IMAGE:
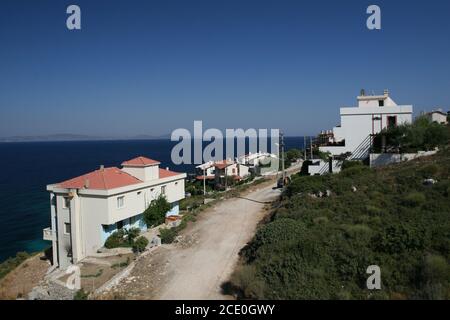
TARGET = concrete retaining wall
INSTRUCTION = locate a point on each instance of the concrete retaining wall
(383, 159)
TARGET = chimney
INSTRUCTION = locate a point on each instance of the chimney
(102, 167)
(362, 93)
(167, 168)
(386, 92)
(86, 184)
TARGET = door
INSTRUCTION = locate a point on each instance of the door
(391, 121)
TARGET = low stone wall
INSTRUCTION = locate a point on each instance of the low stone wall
(383, 159)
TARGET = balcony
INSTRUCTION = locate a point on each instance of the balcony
(48, 234)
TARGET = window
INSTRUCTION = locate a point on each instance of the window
(67, 228)
(66, 202)
(120, 202)
(381, 103)
(163, 190)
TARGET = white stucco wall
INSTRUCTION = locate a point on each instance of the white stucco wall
(358, 123)
(437, 117)
(143, 173)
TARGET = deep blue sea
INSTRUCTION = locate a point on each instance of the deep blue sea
(27, 167)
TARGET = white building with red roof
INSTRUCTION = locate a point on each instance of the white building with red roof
(86, 210)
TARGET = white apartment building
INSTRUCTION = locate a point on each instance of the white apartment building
(87, 209)
(373, 114)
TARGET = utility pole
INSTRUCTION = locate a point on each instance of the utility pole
(282, 157)
(304, 146)
(204, 183)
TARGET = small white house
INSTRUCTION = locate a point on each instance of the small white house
(260, 163)
(86, 210)
(373, 114)
(256, 159)
(217, 170)
(438, 116)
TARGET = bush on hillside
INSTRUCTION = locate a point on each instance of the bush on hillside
(167, 235)
(421, 135)
(81, 295)
(320, 248)
(414, 199)
(122, 238)
(140, 244)
(11, 263)
(155, 214)
(350, 164)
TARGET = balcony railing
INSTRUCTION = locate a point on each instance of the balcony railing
(48, 234)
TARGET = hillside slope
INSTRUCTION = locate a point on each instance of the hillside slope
(320, 247)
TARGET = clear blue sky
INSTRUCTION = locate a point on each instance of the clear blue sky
(147, 67)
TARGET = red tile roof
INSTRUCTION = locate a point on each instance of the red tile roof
(222, 164)
(102, 179)
(207, 177)
(163, 173)
(140, 162)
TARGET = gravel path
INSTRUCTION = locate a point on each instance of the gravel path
(196, 267)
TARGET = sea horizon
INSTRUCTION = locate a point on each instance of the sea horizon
(32, 165)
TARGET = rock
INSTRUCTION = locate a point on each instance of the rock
(429, 182)
(156, 241)
(354, 189)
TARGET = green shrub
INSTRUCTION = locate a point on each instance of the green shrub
(373, 210)
(155, 214)
(293, 154)
(414, 199)
(429, 171)
(400, 237)
(133, 233)
(167, 235)
(350, 164)
(422, 134)
(81, 295)
(354, 171)
(140, 244)
(122, 238)
(435, 271)
(116, 239)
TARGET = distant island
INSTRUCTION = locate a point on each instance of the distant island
(77, 137)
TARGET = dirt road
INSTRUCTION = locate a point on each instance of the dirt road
(196, 267)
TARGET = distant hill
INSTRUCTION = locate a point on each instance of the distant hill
(77, 137)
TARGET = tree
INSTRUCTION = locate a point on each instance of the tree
(293, 154)
(156, 212)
